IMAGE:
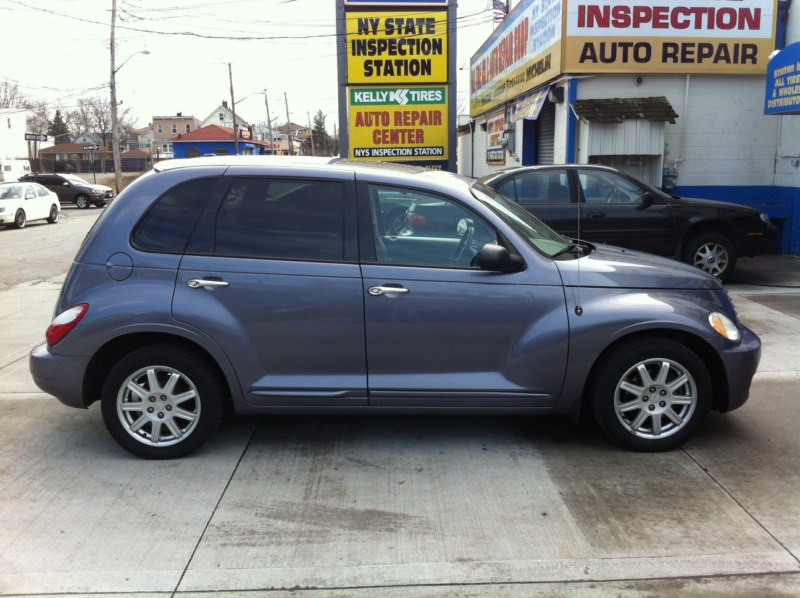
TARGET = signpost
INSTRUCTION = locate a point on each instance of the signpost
(35, 137)
(91, 149)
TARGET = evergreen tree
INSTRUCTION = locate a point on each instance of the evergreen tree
(58, 128)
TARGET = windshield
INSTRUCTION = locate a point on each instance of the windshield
(537, 233)
(75, 179)
(10, 191)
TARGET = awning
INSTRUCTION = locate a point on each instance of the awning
(617, 110)
(529, 106)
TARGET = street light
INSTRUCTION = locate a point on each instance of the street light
(114, 119)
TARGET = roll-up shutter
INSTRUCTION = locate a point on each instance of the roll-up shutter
(545, 134)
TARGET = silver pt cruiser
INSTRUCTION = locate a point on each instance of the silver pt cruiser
(270, 285)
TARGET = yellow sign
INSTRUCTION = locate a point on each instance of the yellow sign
(398, 123)
(669, 36)
(386, 48)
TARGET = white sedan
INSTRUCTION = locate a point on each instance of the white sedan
(21, 202)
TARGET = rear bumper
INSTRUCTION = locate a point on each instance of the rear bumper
(59, 375)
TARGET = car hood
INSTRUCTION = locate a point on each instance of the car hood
(710, 203)
(615, 267)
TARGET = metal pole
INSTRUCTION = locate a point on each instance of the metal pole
(233, 109)
(311, 132)
(269, 124)
(288, 125)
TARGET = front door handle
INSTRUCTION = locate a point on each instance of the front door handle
(196, 283)
(387, 290)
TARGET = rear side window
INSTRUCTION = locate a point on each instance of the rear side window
(537, 187)
(296, 219)
(168, 224)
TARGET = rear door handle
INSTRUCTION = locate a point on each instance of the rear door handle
(597, 215)
(196, 283)
(387, 290)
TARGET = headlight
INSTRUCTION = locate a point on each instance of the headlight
(722, 324)
(764, 218)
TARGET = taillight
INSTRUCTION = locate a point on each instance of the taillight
(64, 322)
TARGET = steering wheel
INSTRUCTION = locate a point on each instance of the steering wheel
(468, 228)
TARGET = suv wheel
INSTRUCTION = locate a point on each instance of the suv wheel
(651, 395)
(162, 401)
(82, 201)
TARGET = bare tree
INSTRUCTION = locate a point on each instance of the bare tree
(93, 115)
(11, 96)
(37, 119)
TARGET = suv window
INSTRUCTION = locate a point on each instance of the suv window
(297, 219)
(537, 187)
(166, 227)
(436, 231)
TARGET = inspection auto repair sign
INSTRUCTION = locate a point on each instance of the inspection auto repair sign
(686, 36)
(389, 48)
(398, 123)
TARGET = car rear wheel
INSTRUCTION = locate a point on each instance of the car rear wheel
(711, 252)
(82, 201)
(162, 401)
(53, 218)
(651, 395)
(20, 219)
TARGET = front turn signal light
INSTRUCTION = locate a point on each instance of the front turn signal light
(724, 326)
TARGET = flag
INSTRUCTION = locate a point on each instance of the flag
(499, 11)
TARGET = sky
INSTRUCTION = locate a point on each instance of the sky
(58, 51)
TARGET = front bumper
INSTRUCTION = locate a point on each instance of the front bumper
(741, 363)
(59, 375)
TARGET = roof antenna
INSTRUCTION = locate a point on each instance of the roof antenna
(578, 307)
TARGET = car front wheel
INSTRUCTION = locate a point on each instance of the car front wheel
(651, 395)
(711, 252)
(20, 219)
(82, 201)
(162, 401)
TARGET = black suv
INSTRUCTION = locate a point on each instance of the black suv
(73, 189)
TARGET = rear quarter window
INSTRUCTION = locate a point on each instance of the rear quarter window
(168, 224)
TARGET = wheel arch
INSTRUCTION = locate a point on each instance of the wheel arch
(709, 356)
(116, 348)
(721, 227)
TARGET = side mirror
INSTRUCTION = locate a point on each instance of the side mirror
(66, 183)
(647, 201)
(497, 258)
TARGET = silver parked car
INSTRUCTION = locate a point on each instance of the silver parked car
(272, 284)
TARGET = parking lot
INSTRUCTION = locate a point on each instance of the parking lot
(391, 506)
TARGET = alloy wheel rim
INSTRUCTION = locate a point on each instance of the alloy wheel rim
(158, 406)
(655, 398)
(712, 257)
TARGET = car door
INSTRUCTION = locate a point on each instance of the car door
(271, 275)
(54, 184)
(618, 210)
(34, 205)
(547, 194)
(442, 333)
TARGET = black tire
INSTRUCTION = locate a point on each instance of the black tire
(20, 219)
(651, 395)
(172, 422)
(711, 252)
(82, 201)
(53, 217)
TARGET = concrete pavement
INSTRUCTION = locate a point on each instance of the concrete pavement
(406, 506)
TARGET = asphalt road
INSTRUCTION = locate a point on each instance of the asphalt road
(394, 506)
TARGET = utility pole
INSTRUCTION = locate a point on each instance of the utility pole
(288, 125)
(269, 124)
(311, 132)
(114, 118)
(233, 109)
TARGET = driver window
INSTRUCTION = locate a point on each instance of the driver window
(413, 228)
(609, 188)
